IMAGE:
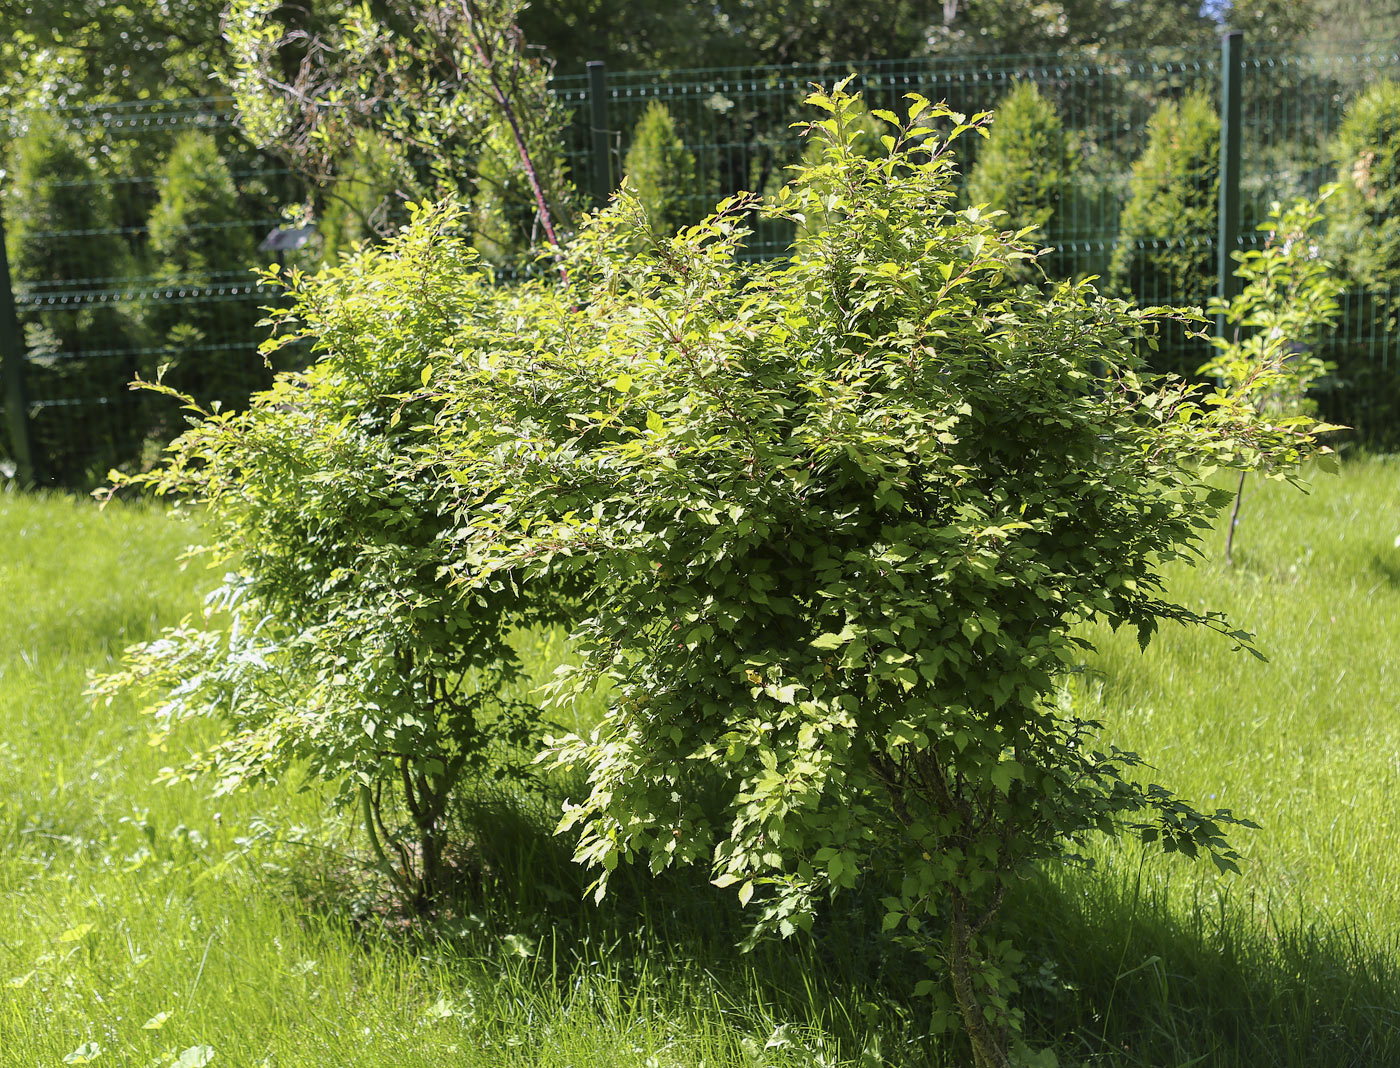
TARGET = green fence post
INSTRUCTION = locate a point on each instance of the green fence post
(12, 373)
(1228, 235)
(598, 122)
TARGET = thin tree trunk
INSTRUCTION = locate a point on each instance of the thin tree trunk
(988, 1044)
(477, 32)
(1234, 519)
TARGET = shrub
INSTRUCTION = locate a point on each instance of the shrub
(826, 525)
(335, 643)
(1021, 169)
(1164, 253)
(661, 169)
(1364, 216)
(199, 239)
(1364, 237)
(838, 519)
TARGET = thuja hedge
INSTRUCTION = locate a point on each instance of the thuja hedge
(827, 526)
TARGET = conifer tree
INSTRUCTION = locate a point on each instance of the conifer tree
(1364, 239)
(1364, 214)
(1164, 252)
(62, 235)
(1021, 169)
(661, 170)
(203, 254)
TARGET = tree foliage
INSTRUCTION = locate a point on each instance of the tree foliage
(838, 519)
(419, 88)
(196, 238)
(1288, 297)
(661, 169)
(1164, 233)
(1364, 216)
(1022, 169)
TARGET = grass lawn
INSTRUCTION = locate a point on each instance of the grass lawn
(145, 925)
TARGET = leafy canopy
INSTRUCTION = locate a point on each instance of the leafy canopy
(827, 526)
(838, 519)
(335, 645)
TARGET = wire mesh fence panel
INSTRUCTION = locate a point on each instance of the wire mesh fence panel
(133, 227)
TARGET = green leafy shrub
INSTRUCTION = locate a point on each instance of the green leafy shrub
(1165, 254)
(827, 526)
(1021, 169)
(838, 519)
(864, 132)
(661, 169)
(198, 239)
(1364, 237)
(1364, 215)
(335, 644)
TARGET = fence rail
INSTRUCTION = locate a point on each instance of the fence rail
(101, 292)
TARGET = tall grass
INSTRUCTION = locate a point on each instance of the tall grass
(149, 923)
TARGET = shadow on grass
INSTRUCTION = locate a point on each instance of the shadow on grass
(1112, 977)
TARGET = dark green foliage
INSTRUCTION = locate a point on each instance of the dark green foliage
(1364, 214)
(199, 241)
(1364, 238)
(1022, 170)
(62, 236)
(1166, 251)
(661, 170)
(1164, 234)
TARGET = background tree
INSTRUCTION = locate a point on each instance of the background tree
(1364, 216)
(1022, 168)
(1067, 26)
(662, 170)
(1164, 251)
(197, 238)
(1364, 237)
(426, 82)
(82, 350)
(62, 53)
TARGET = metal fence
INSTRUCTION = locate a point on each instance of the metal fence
(107, 303)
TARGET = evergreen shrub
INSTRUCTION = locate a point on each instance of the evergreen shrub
(81, 355)
(661, 169)
(1021, 170)
(198, 239)
(1364, 238)
(1165, 252)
